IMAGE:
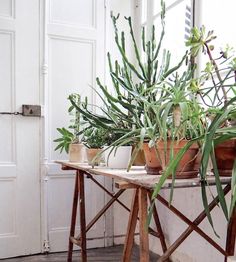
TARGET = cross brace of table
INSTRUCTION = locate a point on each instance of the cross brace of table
(80, 240)
(192, 226)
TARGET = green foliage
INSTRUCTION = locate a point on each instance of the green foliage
(66, 136)
(151, 99)
(65, 140)
(94, 137)
(146, 94)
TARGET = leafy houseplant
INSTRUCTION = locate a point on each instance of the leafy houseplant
(69, 140)
(94, 139)
(215, 89)
(219, 143)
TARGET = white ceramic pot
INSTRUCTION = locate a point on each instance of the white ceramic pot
(77, 153)
(119, 157)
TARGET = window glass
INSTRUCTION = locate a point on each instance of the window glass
(220, 18)
(177, 28)
(144, 11)
(157, 5)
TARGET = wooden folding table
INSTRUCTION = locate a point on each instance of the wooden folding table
(143, 185)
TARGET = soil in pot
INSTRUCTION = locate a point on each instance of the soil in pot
(76, 153)
(188, 166)
(225, 154)
(91, 154)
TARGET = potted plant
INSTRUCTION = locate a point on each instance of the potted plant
(116, 155)
(215, 88)
(219, 143)
(151, 102)
(94, 140)
(220, 72)
(166, 111)
(70, 140)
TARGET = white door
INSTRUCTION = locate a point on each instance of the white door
(74, 56)
(19, 136)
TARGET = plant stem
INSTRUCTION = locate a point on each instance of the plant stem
(217, 71)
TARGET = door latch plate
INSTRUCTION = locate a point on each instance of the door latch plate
(31, 110)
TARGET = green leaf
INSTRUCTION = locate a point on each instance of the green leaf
(233, 191)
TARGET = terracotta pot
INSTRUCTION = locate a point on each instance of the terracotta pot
(91, 153)
(77, 153)
(188, 166)
(153, 164)
(225, 154)
(140, 159)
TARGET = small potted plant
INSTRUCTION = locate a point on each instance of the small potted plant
(70, 137)
(94, 140)
(116, 155)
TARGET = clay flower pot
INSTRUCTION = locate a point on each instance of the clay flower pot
(225, 154)
(140, 159)
(76, 153)
(156, 162)
(91, 154)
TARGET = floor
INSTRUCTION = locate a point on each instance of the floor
(112, 254)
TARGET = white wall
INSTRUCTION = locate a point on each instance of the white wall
(189, 202)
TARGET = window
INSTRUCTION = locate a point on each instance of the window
(178, 22)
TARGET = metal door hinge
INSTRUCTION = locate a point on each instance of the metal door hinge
(46, 246)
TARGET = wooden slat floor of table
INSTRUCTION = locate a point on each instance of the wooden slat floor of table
(108, 254)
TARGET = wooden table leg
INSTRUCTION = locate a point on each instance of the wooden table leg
(143, 226)
(73, 218)
(129, 239)
(158, 224)
(231, 235)
(82, 217)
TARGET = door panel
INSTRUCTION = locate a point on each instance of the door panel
(75, 56)
(19, 137)
(73, 12)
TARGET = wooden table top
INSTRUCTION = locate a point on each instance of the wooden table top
(138, 176)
